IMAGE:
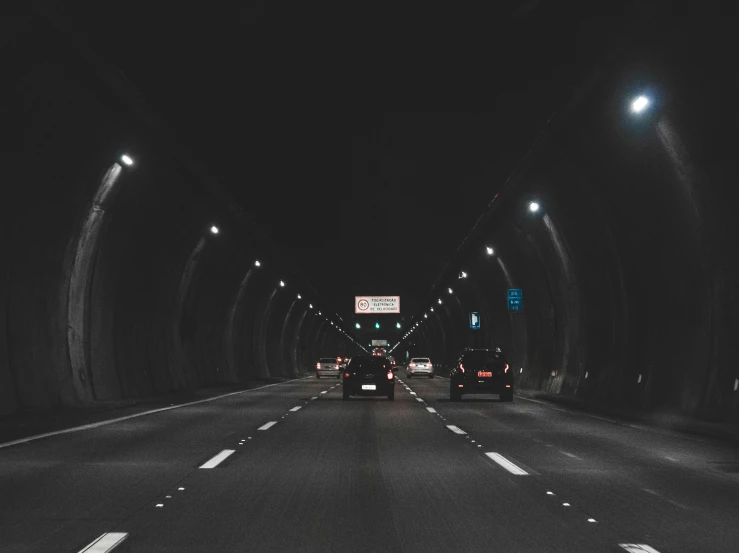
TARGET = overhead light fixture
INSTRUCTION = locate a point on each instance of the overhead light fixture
(127, 160)
(214, 229)
(639, 104)
(257, 263)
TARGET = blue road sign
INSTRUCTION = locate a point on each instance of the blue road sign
(515, 299)
(475, 321)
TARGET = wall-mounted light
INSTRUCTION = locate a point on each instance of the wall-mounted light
(489, 250)
(214, 230)
(533, 207)
(127, 160)
(300, 297)
(257, 263)
(282, 283)
(639, 104)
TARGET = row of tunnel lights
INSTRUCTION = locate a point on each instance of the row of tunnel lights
(533, 207)
(128, 161)
(638, 105)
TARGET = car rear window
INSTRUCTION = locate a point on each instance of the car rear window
(368, 363)
(421, 360)
(482, 357)
(328, 360)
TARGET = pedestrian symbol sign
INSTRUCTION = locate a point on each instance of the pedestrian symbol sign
(515, 299)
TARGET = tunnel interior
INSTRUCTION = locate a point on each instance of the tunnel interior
(128, 277)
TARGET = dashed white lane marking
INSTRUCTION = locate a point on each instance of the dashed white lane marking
(315, 397)
(570, 455)
(419, 399)
(455, 429)
(218, 459)
(135, 415)
(323, 392)
(413, 393)
(298, 408)
(638, 548)
(106, 542)
(506, 464)
(267, 426)
(431, 409)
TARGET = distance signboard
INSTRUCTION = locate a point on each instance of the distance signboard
(372, 305)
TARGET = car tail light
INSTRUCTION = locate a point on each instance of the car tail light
(460, 385)
(430, 364)
(338, 359)
(389, 375)
(507, 385)
(346, 375)
(337, 367)
(318, 365)
(505, 370)
(411, 364)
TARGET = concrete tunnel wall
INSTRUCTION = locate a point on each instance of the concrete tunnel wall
(112, 285)
(630, 270)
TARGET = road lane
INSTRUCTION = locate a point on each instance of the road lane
(674, 492)
(362, 475)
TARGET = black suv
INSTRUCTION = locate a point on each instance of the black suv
(369, 375)
(481, 371)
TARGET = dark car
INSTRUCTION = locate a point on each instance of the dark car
(369, 376)
(481, 371)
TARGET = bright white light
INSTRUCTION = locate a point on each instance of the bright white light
(310, 306)
(450, 290)
(439, 301)
(639, 104)
(257, 263)
(300, 297)
(425, 316)
(533, 207)
(282, 283)
(126, 159)
(431, 309)
(463, 275)
(489, 250)
(214, 229)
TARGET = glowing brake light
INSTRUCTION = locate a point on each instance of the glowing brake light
(318, 365)
(507, 385)
(412, 364)
(389, 375)
(346, 375)
(430, 364)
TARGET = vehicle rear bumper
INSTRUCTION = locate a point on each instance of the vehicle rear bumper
(328, 372)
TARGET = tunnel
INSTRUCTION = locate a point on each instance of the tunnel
(604, 266)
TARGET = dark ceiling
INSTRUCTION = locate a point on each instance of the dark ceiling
(353, 147)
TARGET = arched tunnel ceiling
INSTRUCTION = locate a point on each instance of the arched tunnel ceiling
(275, 127)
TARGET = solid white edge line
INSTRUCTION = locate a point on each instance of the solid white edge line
(218, 459)
(128, 417)
(638, 548)
(506, 464)
(455, 429)
(431, 409)
(297, 408)
(267, 426)
(106, 542)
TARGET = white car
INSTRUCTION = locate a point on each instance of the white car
(420, 366)
(328, 366)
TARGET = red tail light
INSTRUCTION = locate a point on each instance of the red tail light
(507, 385)
(318, 365)
(411, 364)
(389, 375)
(337, 367)
(346, 375)
(430, 364)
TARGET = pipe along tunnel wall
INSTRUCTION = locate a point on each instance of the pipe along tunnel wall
(630, 269)
(112, 284)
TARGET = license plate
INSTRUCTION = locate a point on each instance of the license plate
(484, 373)
(369, 387)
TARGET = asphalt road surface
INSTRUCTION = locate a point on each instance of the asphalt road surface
(295, 468)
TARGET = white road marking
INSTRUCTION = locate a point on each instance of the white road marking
(592, 520)
(218, 459)
(181, 489)
(455, 429)
(506, 464)
(570, 455)
(106, 542)
(298, 408)
(638, 548)
(128, 417)
(565, 504)
(419, 399)
(323, 392)
(315, 397)
(267, 426)
(413, 393)
(159, 505)
(431, 409)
